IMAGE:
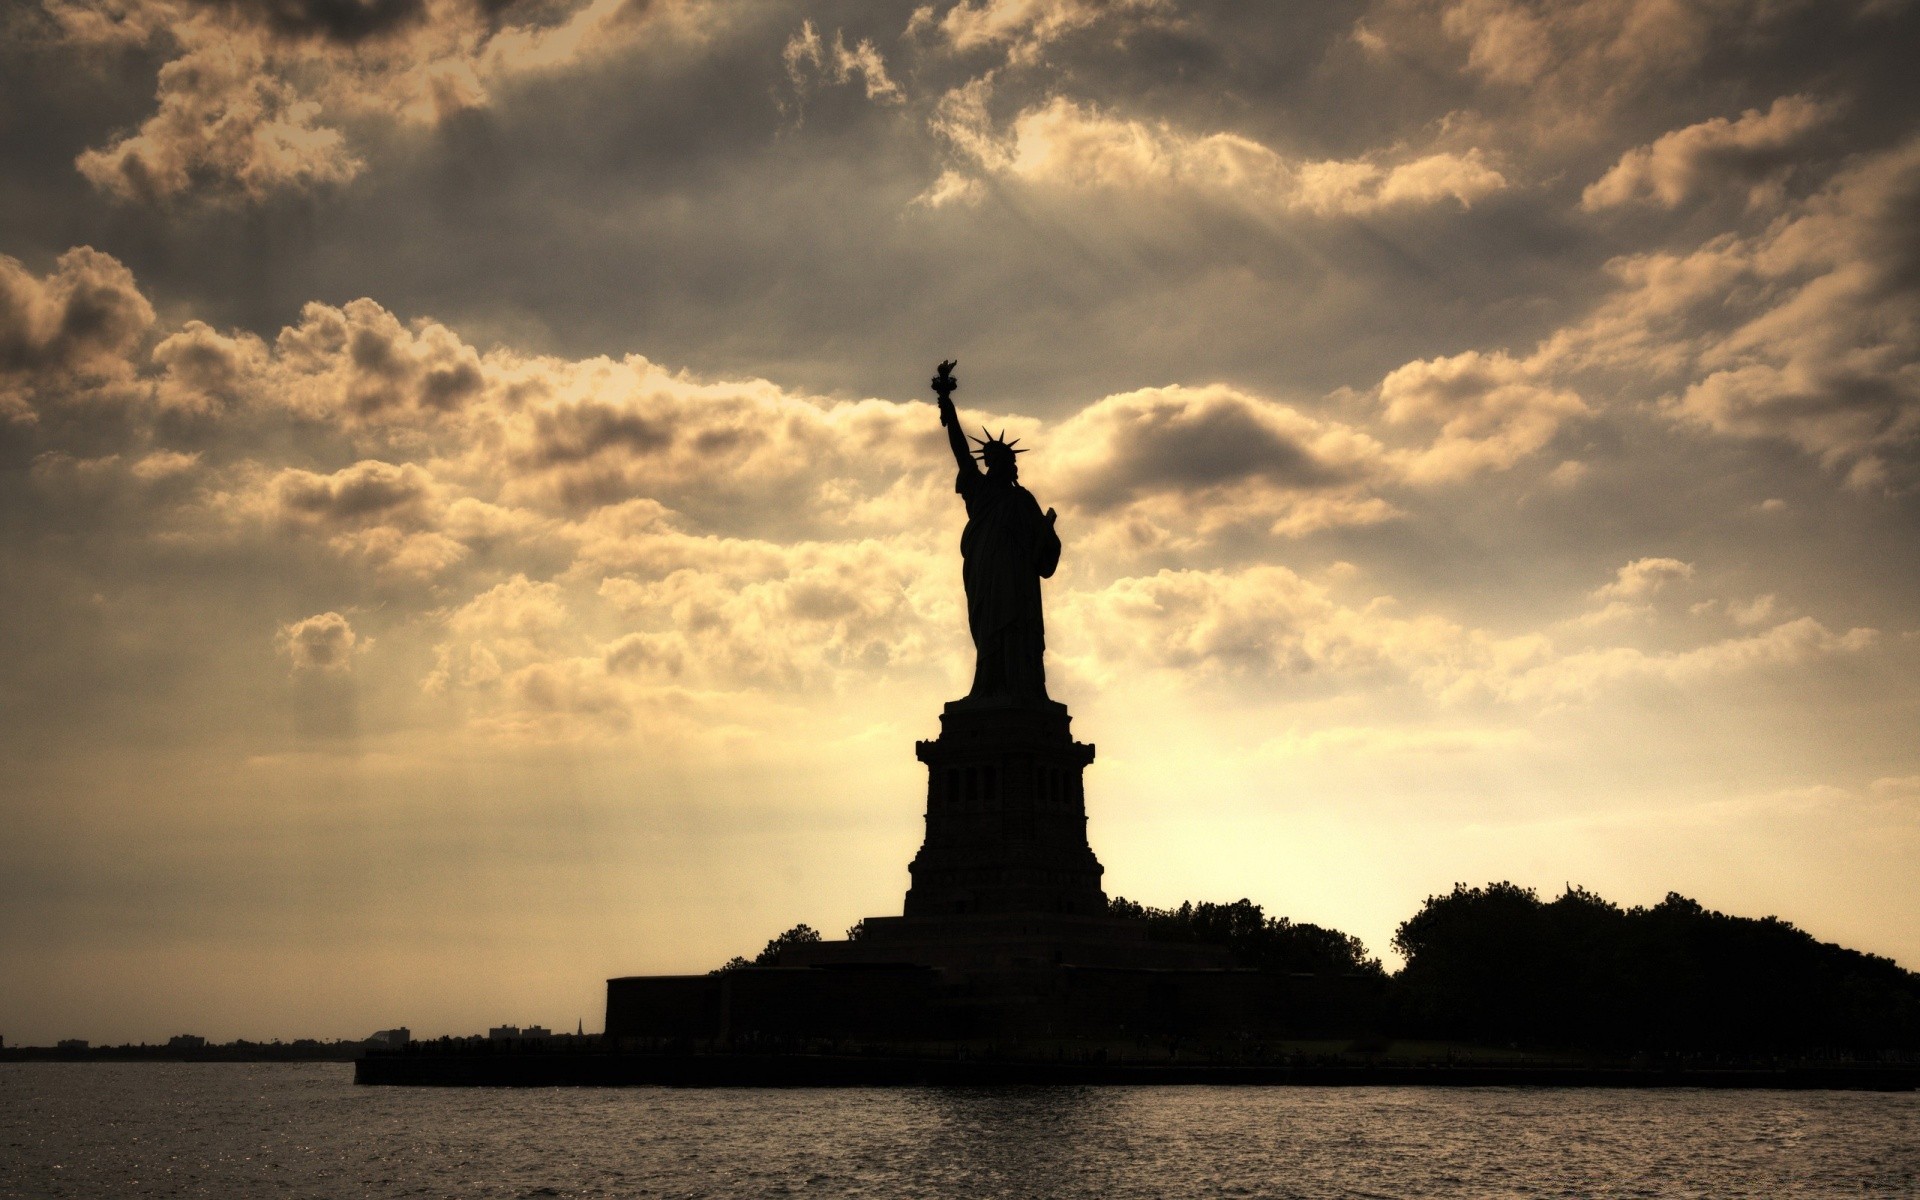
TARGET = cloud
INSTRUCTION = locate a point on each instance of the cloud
(1067, 145)
(1644, 577)
(391, 517)
(1579, 675)
(344, 21)
(1757, 611)
(207, 373)
(359, 364)
(1596, 45)
(325, 643)
(821, 615)
(1026, 27)
(1829, 359)
(808, 59)
(225, 129)
(249, 102)
(1578, 61)
(451, 448)
(1755, 151)
(1200, 458)
(623, 535)
(65, 334)
(695, 617)
(1266, 621)
(365, 490)
(86, 314)
(1896, 788)
(1491, 410)
(1806, 331)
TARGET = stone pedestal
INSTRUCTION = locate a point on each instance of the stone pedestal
(1006, 816)
(1005, 932)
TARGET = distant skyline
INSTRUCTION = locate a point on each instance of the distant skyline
(476, 523)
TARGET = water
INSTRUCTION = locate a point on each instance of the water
(303, 1130)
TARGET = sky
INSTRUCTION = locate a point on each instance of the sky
(475, 522)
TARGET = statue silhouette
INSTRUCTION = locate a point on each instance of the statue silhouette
(1009, 546)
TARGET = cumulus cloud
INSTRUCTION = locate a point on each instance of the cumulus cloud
(1068, 145)
(324, 643)
(359, 364)
(1268, 621)
(517, 621)
(87, 313)
(1755, 151)
(206, 372)
(822, 613)
(455, 449)
(1491, 410)
(364, 490)
(249, 103)
(82, 319)
(694, 616)
(393, 518)
(225, 129)
(597, 515)
(1201, 458)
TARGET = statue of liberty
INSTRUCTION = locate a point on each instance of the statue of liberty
(1008, 548)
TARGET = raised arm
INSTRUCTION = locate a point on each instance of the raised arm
(962, 453)
(943, 385)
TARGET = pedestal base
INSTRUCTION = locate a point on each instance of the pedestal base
(1006, 816)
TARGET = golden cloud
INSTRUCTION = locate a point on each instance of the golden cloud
(1066, 145)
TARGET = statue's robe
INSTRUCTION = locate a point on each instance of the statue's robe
(1008, 548)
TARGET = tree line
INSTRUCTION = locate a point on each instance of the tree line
(1499, 965)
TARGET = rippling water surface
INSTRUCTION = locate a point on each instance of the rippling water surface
(247, 1130)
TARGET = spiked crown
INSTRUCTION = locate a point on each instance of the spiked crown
(991, 442)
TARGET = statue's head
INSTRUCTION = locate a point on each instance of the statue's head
(999, 456)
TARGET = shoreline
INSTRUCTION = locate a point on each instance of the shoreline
(823, 1070)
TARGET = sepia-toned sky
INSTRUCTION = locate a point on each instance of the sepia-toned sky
(474, 522)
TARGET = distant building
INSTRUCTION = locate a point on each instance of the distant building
(71, 1044)
(503, 1033)
(396, 1039)
(536, 1031)
(186, 1041)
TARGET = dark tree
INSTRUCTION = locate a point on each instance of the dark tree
(1255, 939)
(1497, 964)
(799, 935)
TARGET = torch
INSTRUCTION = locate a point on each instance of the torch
(943, 385)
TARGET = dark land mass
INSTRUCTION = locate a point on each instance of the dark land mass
(303, 1050)
(1500, 988)
(1499, 964)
